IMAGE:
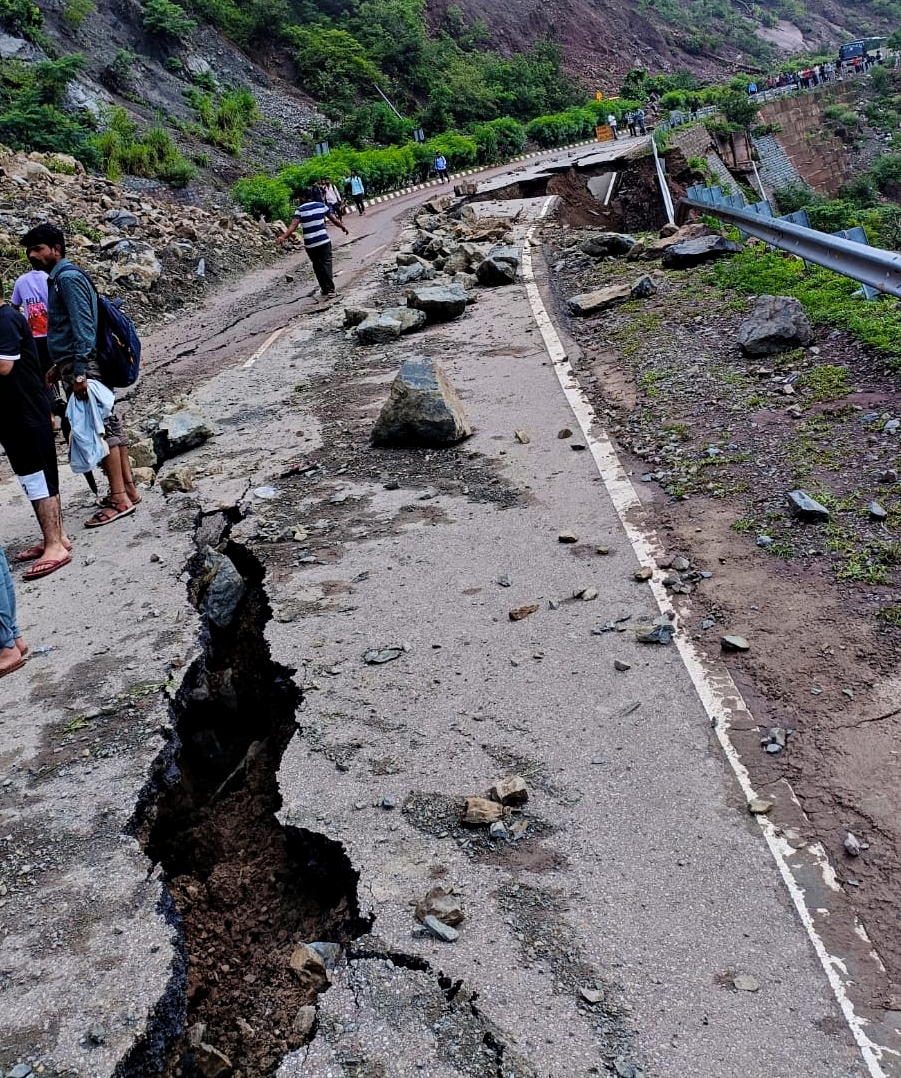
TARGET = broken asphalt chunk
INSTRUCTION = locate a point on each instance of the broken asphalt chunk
(658, 633)
(440, 930)
(377, 656)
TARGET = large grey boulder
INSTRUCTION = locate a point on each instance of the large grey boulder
(422, 409)
(389, 325)
(689, 253)
(608, 243)
(440, 303)
(135, 264)
(416, 271)
(179, 432)
(224, 588)
(492, 272)
(17, 48)
(777, 324)
(603, 299)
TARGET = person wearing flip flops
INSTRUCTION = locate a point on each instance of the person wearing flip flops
(71, 341)
(13, 648)
(26, 434)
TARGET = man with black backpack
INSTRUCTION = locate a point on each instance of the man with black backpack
(72, 321)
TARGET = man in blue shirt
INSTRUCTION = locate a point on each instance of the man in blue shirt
(72, 344)
(441, 168)
(311, 216)
(357, 190)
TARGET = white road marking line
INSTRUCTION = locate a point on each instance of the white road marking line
(717, 692)
(270, 340)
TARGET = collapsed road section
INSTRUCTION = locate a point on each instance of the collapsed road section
(451, 627)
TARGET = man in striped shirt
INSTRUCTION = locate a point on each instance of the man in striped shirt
(311, 216)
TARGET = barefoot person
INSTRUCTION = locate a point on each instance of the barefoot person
(311, 216)
(13, 648)
(71, 340)
(26, 434)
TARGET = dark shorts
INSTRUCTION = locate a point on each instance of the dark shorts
(32, 456)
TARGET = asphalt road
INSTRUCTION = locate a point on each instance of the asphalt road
(640, 924)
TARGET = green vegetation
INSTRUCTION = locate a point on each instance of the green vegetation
(890, 614)
(76, 11)
(827, 297)
(225, 120)
(826, 382)
(31, 113)
(166, 19)
(123, 148)
(22, 18)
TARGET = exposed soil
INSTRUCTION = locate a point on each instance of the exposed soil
(245, 889)
(714, 441)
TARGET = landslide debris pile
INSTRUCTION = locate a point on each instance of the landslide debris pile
(158, 255)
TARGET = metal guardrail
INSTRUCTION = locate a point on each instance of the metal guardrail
(870, 266)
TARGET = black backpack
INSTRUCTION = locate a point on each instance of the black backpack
(118, 346)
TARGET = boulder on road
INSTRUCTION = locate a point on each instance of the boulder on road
(440, 303)
(689, 253)
(389, 325)
(603, 299)
(493, 272)
(353, 316)
(777, 324)
(605, 244)
(179, 432)
(422, 409)
(416, 271)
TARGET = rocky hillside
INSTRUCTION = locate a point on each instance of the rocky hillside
(157, 255)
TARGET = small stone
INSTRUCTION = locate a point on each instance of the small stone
(211, 1062)
(764, 541)
(654, 634)
(644, 573)
(504, 581)
(806, 508)
(20, 1070)
(498, 830)
(618, 664)
(388, 803)
(195, 1034)
(510, 790)
(758, 807)
(304, 1020)
(876, 511)
(378, 656)
(592, 995)
(588, 594)
(97, 1034)
(745, 983)
(681, 564)
(520, 612)
(892, 1003)
(308, 968)
(522, 437)
(773, 749)
(442, 931)
(480, 812)
(852, 845)
(732, 642)
(441, 904)
(889, 477)
(567, 537)
(565, 433)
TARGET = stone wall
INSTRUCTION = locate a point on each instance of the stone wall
(821, 160)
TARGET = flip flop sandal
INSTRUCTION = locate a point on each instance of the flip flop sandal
(45, 568)
(29, 554)
(100, 519)
(12, 669)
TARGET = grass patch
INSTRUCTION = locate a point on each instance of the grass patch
(890, 614)
(826, 382)
(827, 297)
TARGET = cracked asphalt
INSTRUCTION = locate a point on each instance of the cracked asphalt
(640, 880)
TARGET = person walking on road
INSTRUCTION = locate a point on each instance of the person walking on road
(333, 199)
(611, 120)
(357, 191)
(441, 168)
(72, 344)
(13, 648)
(639, 119)
(311, 217)
(630, 122)
(26, 434)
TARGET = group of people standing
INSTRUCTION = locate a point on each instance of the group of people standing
(48, 337)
